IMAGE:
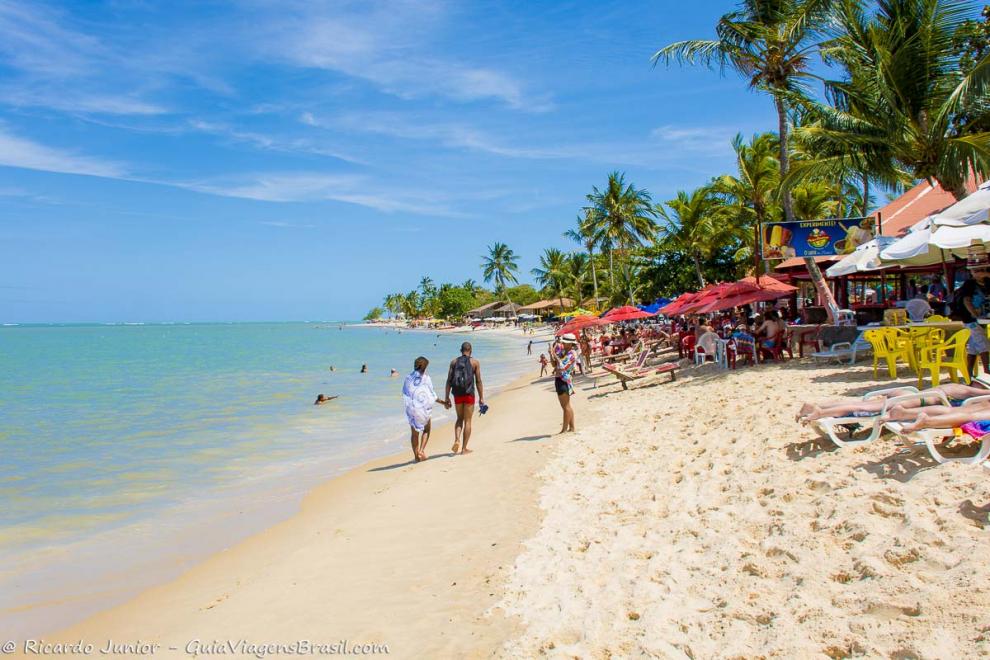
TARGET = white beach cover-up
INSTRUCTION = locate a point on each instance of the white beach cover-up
(419, 397)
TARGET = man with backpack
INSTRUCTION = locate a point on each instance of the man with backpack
(463, 377)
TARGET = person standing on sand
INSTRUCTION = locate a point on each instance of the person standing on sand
(463, 377)
(529, 347)
(419, 396)
(564, 358)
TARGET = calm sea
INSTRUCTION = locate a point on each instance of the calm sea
(127, 452)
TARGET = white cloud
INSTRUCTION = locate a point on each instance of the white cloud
(20, 152)
(316, 187)
(709, 140)
(269, 142)
(284, 224)
(387, 45)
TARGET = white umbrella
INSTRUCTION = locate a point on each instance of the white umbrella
(917, 249)
(969, 211)
(866, 257)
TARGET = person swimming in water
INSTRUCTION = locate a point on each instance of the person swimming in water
(393, 373)
(323, 398)
(364, 368)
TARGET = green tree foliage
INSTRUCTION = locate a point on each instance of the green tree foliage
(374, 314)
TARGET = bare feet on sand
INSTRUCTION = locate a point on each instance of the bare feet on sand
(467, 451)
(457, 446)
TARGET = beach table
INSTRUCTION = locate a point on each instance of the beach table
(950, 327)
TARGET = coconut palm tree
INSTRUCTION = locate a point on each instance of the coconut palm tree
(500, 266)
(393, 303)
(623, 217)
(471, 287)
(900, 103)
(552, 273)
(694, 224)
(771, 44)
(586, 235)
(577, 275)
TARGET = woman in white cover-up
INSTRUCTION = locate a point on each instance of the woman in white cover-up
(419, 396)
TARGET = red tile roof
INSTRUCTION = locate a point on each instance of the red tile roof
(912, 207)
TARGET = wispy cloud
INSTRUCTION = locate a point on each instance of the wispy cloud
(23, 153)
(317, 186)
(709, 140)
(386, 44)
(271, 142)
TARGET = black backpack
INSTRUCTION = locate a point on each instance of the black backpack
(463, 378)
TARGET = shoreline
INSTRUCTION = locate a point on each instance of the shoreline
(59, 586)
(349, 499)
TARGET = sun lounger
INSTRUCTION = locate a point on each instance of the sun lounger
(857, 430)
(931, 437)
(844, 351)
(625, 377)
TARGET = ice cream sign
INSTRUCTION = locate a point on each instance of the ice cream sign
(815, 238)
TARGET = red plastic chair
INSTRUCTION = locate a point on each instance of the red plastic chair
(687, 346)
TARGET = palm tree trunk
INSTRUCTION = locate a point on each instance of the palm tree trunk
(697, 269)
(831, 308)
(594, 275)
(611, 271)
(866, 195)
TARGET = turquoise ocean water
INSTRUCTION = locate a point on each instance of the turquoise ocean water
(129, 451)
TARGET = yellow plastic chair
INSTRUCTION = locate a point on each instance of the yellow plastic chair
(923, 339)
(935, 318)
(949, 355)
(887, 346)
(903, 342)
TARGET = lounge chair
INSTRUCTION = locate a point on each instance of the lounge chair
(858, 430)
(626, 377)
(844, 351)
(931, 437)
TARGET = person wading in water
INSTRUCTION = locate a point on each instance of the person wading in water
(463, 377)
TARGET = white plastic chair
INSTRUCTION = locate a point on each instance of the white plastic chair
(706, 348)
(722, 353)
(844, 351)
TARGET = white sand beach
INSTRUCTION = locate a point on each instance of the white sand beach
(692, 519)
(701, 521)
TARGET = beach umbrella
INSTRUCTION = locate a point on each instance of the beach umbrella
(682, 301)
(627, 313)
(864, 258)
(579, 323)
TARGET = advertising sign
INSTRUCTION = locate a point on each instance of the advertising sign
(816, 238)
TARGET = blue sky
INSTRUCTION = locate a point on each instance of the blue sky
(298, 160)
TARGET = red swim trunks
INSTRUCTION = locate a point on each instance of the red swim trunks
(465, 399)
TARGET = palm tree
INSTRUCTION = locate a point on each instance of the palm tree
(552, 273)
(500, 267)
(393, 303)
(770, 43)
(752, 195)
(586, 236)
(694, 224)
(623, 217)
(903, 96)
(471, 286)
(576, 271)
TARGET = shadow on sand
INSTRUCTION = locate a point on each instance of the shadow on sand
(533, 438)
(902, 466)
(396, 466)
(798, 451)
(978, 514)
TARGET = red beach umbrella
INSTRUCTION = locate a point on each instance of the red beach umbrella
(579, 323)
(627, 313)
